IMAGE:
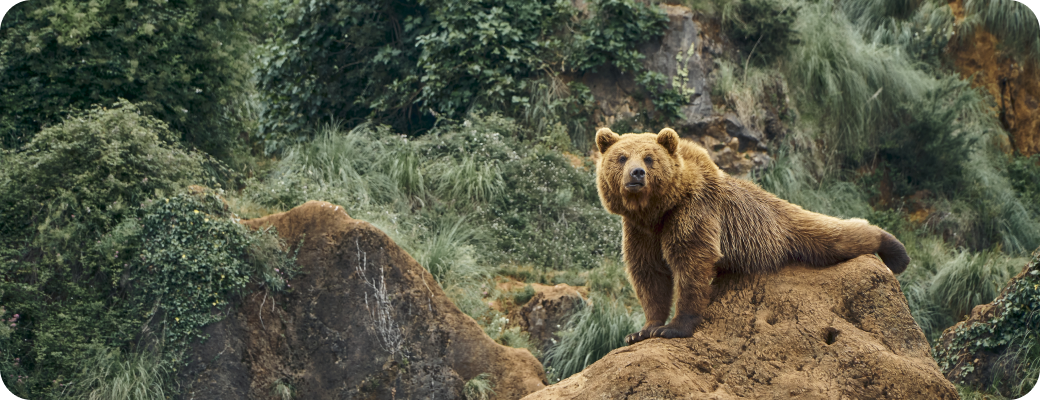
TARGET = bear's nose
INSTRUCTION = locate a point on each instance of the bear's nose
(639, 173)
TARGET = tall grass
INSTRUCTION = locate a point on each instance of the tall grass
(480, 387)
(969, 279)
(854, 88)
(590, 334)
(113, 375)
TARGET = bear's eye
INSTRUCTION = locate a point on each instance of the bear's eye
(649, 161)
(623, 159)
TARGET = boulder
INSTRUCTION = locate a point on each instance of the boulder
(336, 336)
(547, 313)
(808, 333)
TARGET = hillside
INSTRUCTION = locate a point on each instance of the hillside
(138, 139)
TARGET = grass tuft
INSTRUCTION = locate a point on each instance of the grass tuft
(591, 333)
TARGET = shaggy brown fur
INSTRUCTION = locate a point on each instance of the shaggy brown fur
(685, 221)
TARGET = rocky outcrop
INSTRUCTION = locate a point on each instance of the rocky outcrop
(335, 336)
(547, 313)
(1015, 86)
(984, 351)
(806, 333)
(685, 55)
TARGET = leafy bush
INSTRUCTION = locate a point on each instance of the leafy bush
(408, 63)
(182, 62)
(97, 255)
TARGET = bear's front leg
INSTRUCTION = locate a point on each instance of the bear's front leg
(692, 262)
(650, 278)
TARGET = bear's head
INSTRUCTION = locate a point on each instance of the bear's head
(638, 173)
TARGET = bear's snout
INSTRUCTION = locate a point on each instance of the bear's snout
(636, 180)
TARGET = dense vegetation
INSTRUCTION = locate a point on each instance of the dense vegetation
(458, 128)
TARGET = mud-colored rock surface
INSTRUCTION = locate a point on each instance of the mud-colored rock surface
(321, 340)
(547, 313)
(843, 332)
(1015, 87)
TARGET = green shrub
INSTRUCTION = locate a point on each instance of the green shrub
(185, 63)
(968, 280)
(1010, 334)
(411, 63)
(523, 296)
(98, 254)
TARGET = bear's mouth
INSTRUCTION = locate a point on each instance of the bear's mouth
(634, 186)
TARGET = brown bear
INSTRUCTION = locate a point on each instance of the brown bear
(685, 221)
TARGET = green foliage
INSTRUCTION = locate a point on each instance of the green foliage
(616, 26)
(92, 262)
(283, 390)
(1011, 332)
(480, 387)
(1024, 174)
(407, 63)
(970, 279)
(590, 334)
(183, 62)
(79, 178)
(762, 29)
(523, 296)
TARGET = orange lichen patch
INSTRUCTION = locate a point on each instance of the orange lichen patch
(508, 284)
(1015, 87)
(920, 216)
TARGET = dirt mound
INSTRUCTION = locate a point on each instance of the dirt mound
(839, 332)
(321, 340)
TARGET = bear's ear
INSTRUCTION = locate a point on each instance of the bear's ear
(669, 139)
(605, 138)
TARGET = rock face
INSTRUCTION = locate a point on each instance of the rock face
(685, 55)
(321, 339)
(1015, 87)
(547, 313)
(682, 55)
(806, 333)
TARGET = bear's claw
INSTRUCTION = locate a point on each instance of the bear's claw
(681, 327)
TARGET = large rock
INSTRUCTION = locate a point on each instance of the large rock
(322, 340)
(833, 333)
(547, 313)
